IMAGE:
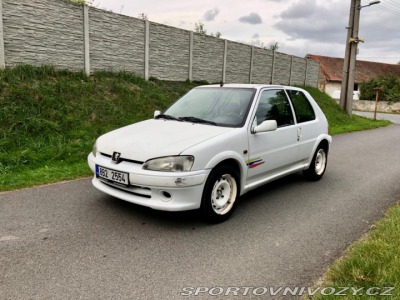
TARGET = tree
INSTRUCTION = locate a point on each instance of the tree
(82, 2)
(274, 46)
(217, 34)
(199, 28)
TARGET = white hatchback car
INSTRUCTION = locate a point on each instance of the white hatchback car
(211, 146)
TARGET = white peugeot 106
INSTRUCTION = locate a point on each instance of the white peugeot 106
(213, 145)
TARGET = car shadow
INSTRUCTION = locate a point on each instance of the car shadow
(248, 205)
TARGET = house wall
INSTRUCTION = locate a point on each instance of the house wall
(333, 89)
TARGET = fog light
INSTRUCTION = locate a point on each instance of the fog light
(165, 196)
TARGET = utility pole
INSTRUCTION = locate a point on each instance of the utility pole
(349, 63)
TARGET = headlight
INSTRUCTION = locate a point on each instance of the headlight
(94, 150)
(170, 164)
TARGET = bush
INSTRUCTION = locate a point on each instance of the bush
(390, 91)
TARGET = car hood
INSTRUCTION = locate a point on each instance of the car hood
(156, 138)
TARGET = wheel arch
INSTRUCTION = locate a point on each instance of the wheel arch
(325, 144)
(220, 193)
(322, 141)
(231, 160)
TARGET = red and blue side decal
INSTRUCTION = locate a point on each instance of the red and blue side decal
(254, 162)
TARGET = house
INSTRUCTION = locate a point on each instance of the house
(331, 70)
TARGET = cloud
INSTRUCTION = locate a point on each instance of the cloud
(300, 10)
(310, 20)
(318, 27)
(211, 14)
(252, 18)
(255, 36)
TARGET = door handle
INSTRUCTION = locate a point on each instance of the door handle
(298, 134)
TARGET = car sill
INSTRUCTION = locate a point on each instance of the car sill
(255, 184)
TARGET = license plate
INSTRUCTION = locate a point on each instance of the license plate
(112, 175)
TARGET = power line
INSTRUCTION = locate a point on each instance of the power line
(393, 8)
(393, 3)
(383, 8)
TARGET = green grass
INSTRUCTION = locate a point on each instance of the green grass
(50, 118)
(374, 261)
(339, 120)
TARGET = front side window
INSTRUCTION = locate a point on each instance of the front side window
(219, 105)
(302, 107)
(274, 105)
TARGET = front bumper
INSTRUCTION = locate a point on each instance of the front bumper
(169, 191)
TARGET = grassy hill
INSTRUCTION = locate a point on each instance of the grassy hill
(51, 118)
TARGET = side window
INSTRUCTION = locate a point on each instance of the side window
(302, 107)
(274, 105)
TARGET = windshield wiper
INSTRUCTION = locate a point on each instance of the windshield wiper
(197, 120)
(166, 117)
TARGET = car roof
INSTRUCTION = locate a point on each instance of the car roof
(248, 85)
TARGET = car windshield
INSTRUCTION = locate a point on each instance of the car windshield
(215, 106)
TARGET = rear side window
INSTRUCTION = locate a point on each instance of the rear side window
(274, 105)
(302, 107)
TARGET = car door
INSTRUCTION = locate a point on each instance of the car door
(274, 151)
(306, 123)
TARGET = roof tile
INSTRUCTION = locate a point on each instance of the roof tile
(332, 68)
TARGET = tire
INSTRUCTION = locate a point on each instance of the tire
(221, 191)
(318, 164)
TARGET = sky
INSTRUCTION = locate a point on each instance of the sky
(299, 26)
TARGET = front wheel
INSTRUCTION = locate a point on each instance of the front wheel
(318, 164)
(220, 194)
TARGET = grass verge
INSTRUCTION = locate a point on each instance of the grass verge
(50, 118)
(339, 120)
(369, 265)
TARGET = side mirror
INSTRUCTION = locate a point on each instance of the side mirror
(268, 125)
(156, 113)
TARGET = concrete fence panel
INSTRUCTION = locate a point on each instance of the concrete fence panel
(43, 32)
(208, 58)
(116, 42)
(262, 66)
(75, 37)
(282, 69)
(169, 52)
(298, 71)
(238, 61)
(312, 75)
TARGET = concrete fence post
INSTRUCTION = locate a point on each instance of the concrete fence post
(251, 64)
(224, 65)
(291, 70)
(273, 67)
(305, 74)
(146, 49)
(86, 39)
(191, 56)
(2, 53)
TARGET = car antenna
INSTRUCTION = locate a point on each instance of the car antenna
(221, 84)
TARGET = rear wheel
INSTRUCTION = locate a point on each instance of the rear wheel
(318, 164)
(220, 194)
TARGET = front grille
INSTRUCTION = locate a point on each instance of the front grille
(132, 189)
(124, 159)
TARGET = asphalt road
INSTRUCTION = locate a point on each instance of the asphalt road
(394, 118)
(68, 241)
